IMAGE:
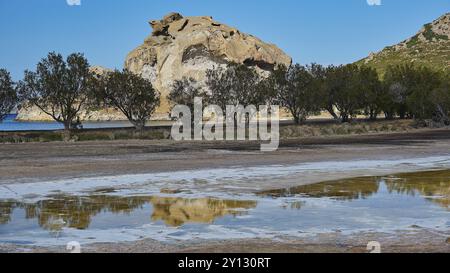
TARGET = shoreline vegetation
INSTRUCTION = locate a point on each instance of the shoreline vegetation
(63, 88)
(288, 130)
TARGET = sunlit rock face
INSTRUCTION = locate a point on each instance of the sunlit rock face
(188, 46)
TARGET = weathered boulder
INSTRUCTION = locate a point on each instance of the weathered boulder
(188, 46)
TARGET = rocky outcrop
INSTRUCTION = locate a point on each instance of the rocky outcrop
(188, 46)
(100, 70)
(185, 47)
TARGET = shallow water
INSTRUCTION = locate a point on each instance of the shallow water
(376, 204)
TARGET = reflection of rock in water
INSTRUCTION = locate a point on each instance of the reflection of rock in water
(346, 189)
(177, 211)
(77, 212)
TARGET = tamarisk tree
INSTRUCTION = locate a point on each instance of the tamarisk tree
(8, 96)
(131, 94)
(60, 88)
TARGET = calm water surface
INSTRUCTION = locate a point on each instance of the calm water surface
(10, 124)
(379, 204)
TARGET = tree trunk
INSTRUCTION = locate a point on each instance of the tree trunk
(67, 134)
(332, 113)
(402, 113)
(373, 115)
(139, 126)
(345, 118)
(389, 115)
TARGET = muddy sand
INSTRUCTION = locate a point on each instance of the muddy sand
(29, 162)
(420, 241)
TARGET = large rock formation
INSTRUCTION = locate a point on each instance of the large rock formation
(185, 47)
(188, 46)
(429, 47)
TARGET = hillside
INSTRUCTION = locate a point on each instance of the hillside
(429, 47)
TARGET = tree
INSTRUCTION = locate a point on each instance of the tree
(323, 97)
(345, 90)
(131, 94)
(428, 95)
(411, 89)
(440, 98)
(329, 92)
(184, 92)
(235, 85)
(374, 94)
(8, 95)
(60, 88)
(401, 81)
(297, 90)
(388, 105)
(418, 92)
(419, 102)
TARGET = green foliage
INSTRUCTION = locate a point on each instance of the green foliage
(60, 88)
(418, 92)
(414, 41)
(429, 34)
(346, 87)
(299, 89)
(427, 48)
(184, 91)
(235, 85)
(30, 137)
(133, 95)
(84, 135)
(407, 91)
(8, 95)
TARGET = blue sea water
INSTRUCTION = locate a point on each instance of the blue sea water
(10, 124)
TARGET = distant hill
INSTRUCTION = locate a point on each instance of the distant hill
(429, 47)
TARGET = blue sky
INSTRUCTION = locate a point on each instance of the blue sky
(322, 31)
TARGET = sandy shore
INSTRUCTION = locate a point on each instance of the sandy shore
(30, 162)
(419, 241)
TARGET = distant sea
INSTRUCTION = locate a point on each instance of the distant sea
(10, 124)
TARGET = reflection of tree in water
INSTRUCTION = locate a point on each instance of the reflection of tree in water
(435, 186)
(348, 189)
(73, 211)
(6, 209)
(77, 212)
